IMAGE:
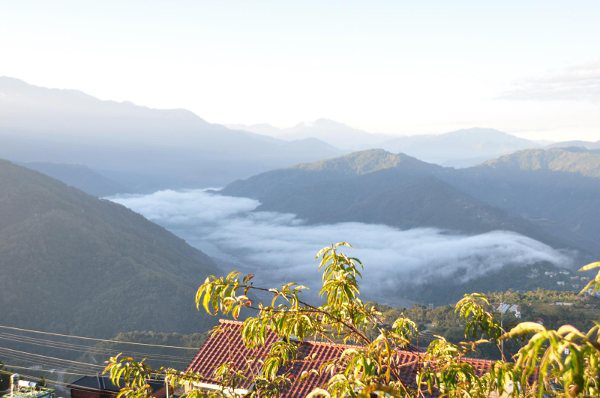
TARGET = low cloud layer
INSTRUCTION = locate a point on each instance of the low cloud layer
(577, 83)
(279, 247)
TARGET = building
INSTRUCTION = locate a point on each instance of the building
(28, 389)
(102, 387)
(227, 346)
(563, 303)
(504, 308)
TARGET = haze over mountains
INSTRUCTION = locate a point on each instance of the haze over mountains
(74, 263)
(80, 177)
(459, 148)
(142, 149)
(592, 145)
(334, 133)
(137, 147)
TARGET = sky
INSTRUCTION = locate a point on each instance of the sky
(531, 68)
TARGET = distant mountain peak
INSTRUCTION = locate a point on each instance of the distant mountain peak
(486, 132)
(137, 146)
(24, 95)
(324, 123)
(365, 162)
(459, 148)
(7, 80)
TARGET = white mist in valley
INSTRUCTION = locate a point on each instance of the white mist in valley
(280, 247)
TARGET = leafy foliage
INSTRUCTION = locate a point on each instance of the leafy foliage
(563, 362)
(593, 286)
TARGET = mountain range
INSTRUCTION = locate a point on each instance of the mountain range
(77, 264)
(333, 133)
(141, 148)
(592, 145)
(461, 148)
(549, 195)
(99, 255)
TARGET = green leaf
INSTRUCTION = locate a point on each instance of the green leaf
(590, 266)
(525, 328)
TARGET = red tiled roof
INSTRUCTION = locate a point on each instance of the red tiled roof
(226, 345)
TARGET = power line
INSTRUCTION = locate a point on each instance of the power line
(96, 339)
(77, 363)
(58, 366)
(45, 362)
(9, 366)
(90, 349)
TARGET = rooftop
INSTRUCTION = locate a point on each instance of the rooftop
(226, 346)
(103, 383)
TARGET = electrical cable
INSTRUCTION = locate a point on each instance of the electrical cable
(97, 339)
(90, 349)
(50, 358)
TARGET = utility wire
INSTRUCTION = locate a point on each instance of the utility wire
(46, 362)
(9, 366)
(50, 358)
(185, 358)
(95, 347)
(96, 339)
(53, 364)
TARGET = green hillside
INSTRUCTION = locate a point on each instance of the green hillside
(568, 160)
(74, 263)
(558, 190)
(559, 209)
(376, 186)
(365, 162)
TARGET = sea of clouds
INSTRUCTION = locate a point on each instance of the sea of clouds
(280, 247)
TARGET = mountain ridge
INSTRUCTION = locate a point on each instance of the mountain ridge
(139, 147)
(459, 148)
(412, 193)
(570, 160)
(329, 131)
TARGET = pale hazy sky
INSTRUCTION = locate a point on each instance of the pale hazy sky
(531, 68)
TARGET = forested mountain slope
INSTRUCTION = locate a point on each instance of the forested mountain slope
(74, 263)
(556, 189)
(575, 160)
(376, 186)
